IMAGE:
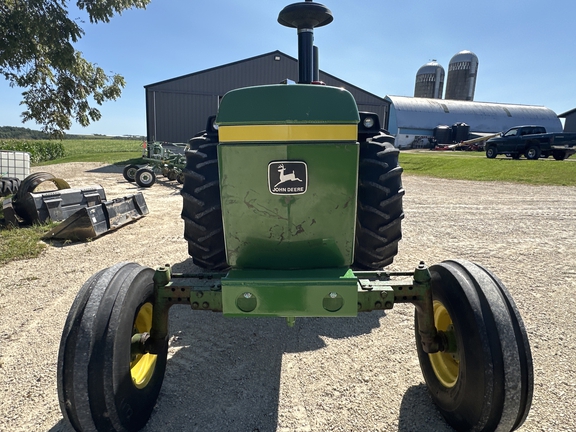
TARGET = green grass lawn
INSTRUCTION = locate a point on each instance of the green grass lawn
(475, 166)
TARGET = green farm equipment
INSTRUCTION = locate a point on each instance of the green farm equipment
(293, 207)
(166, 159)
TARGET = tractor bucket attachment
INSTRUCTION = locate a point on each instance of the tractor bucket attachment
(91, 222)
(57, 205)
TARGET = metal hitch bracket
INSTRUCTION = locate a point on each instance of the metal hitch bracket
(328, 293)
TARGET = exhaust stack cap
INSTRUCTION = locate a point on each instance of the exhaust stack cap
(305, 14)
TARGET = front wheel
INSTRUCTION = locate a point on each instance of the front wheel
(145, 177)
(491, 152)
(485, 381)
(102, 385)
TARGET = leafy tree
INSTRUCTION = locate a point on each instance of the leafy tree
(37, 54)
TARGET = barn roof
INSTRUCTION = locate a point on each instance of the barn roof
(567, 113)
(424, 113)
(324, 76)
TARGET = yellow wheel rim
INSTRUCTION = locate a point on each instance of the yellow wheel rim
(142, 367)
(445, 365)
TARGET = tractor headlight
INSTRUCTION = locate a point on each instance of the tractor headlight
(368, 122)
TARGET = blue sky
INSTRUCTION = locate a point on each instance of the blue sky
(525, 48)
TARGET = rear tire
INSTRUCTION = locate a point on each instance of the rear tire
(532, 152)
(379, 214)
(559, 155)
(201, 210)
(487, 384)
(101, 386)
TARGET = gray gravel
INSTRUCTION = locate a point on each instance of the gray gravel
(353, 374)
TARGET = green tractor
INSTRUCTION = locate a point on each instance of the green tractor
(293, 207)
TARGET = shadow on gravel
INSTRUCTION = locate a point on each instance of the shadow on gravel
(224, 373)
(419, 414)
(116, 169)
(61, 426)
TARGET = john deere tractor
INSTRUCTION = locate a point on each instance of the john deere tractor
(293, 207)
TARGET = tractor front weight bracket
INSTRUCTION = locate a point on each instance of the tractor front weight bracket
(376, 290)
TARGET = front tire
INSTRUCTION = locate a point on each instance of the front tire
(101, 385)
(491, 152)
(145, 177)
(487, 383)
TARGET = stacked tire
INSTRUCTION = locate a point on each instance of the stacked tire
(23, 204)
(9, 186)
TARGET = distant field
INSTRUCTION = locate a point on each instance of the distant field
(104, 150)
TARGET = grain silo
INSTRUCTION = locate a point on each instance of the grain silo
(430, 81)
(462, 72)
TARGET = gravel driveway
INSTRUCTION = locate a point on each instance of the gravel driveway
(347, 374)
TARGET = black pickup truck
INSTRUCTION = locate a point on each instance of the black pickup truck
(532, 142)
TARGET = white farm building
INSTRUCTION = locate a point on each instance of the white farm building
(413, 120)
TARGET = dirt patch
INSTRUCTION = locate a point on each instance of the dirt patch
(323, 374)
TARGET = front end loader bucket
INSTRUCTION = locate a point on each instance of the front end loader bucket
(91, 222)
(57, 205)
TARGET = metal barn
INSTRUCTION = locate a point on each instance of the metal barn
(413, 119)
(177, 108)
(569, 120)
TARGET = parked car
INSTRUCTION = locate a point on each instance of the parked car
(533, 142)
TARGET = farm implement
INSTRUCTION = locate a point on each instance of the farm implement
(293, 209)
(165, 159)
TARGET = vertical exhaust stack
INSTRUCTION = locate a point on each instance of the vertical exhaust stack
(316, 65)
(305, 16)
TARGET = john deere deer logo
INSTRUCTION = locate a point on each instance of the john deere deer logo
(287, 177)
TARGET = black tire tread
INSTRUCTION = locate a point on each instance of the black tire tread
(201, 210)
(379, 208)
(24, 207)
(91, 391)
(9, 186)
(495, 385)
